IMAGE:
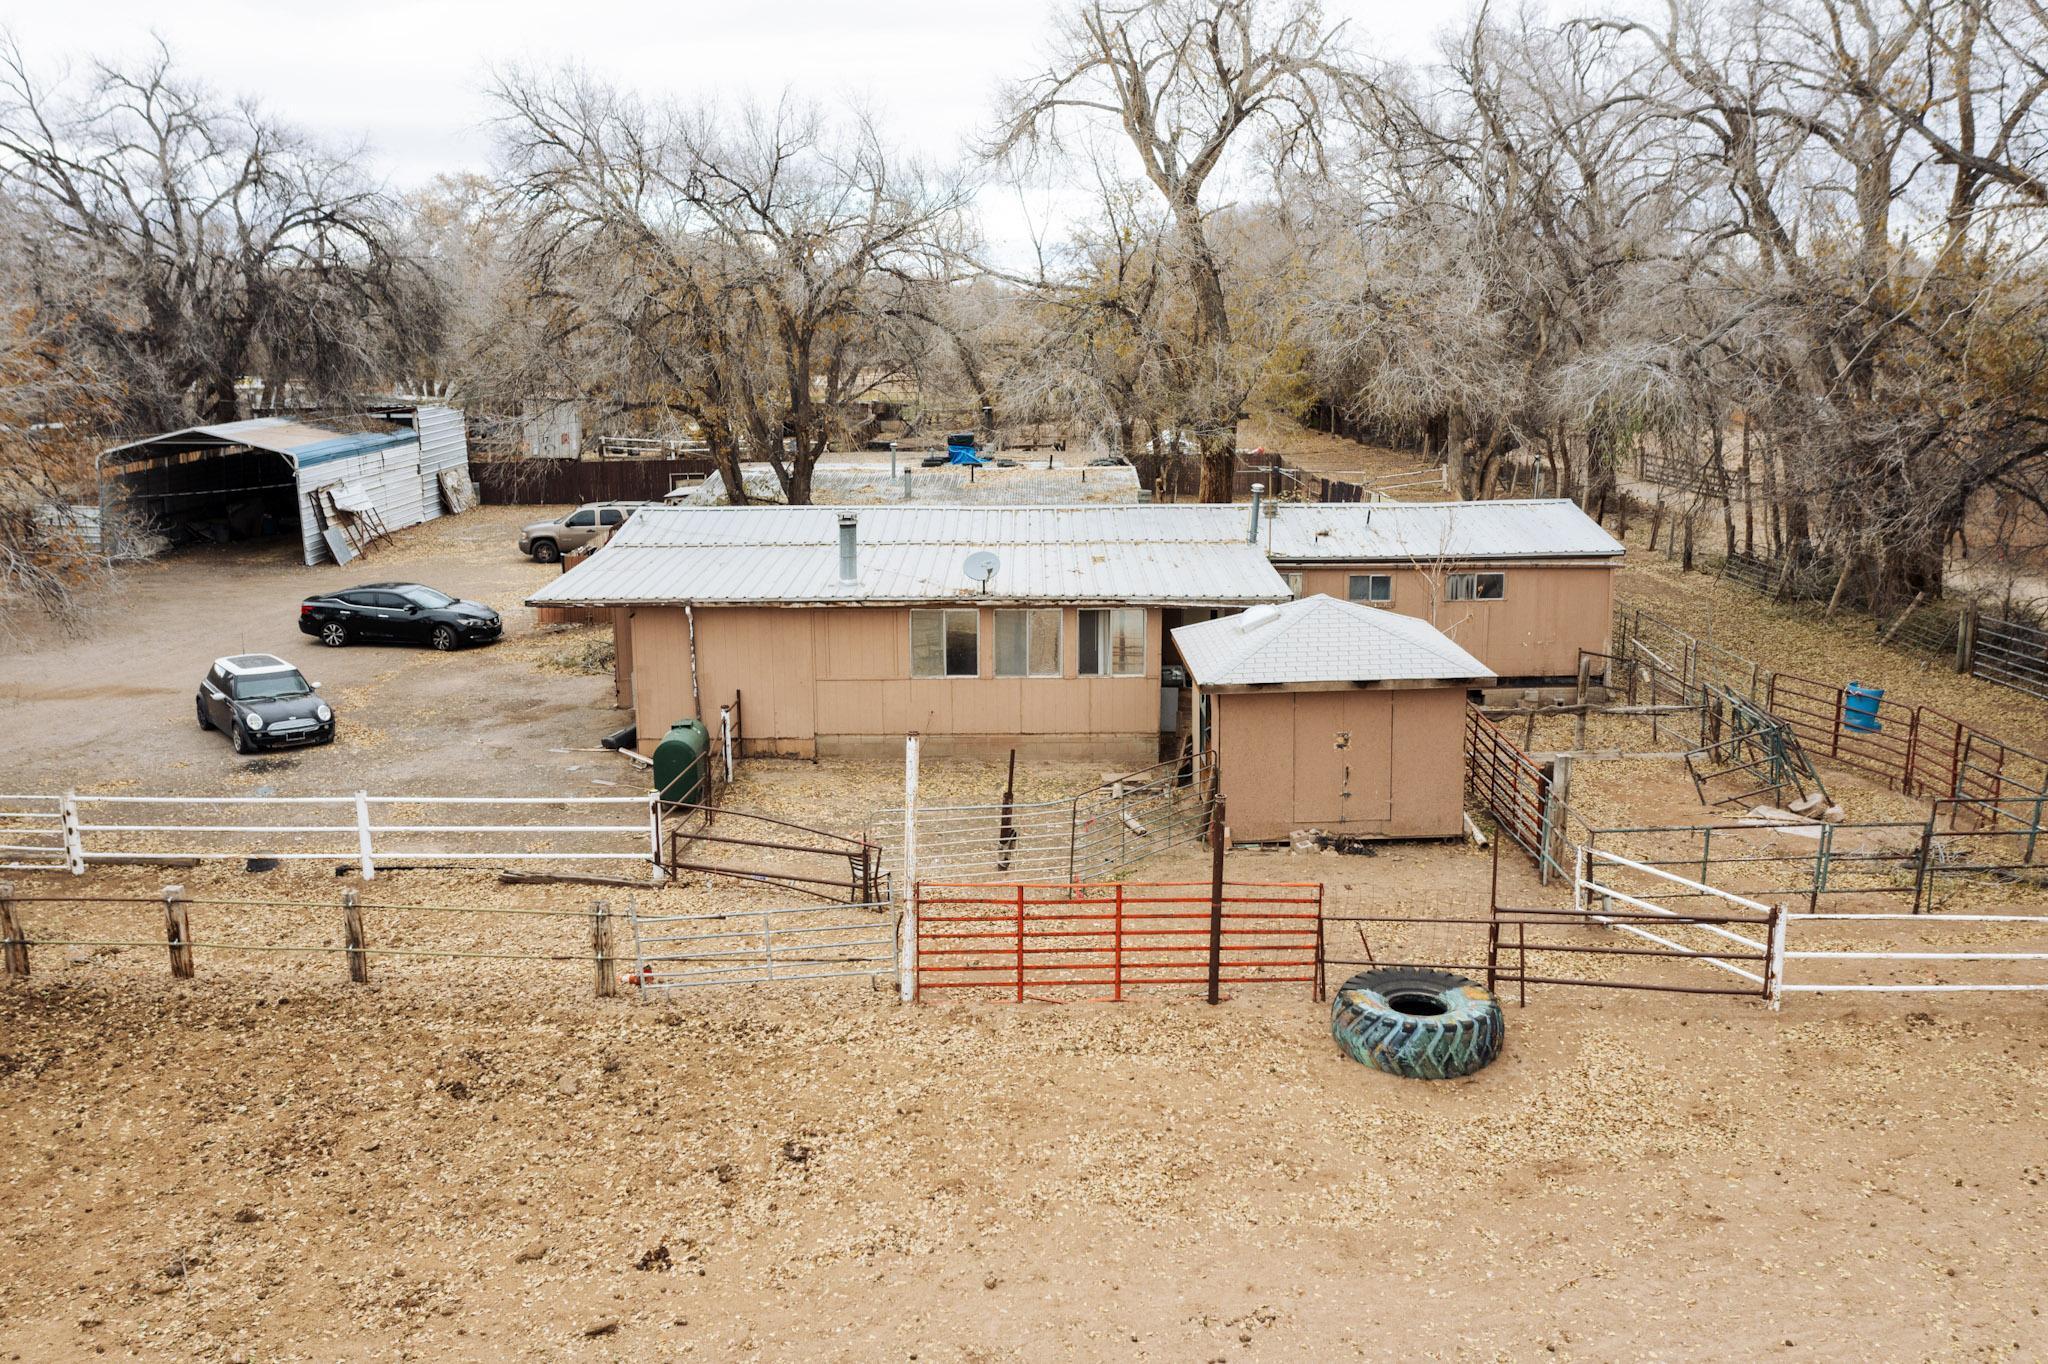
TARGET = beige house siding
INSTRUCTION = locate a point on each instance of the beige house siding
(836, 680)
(1363, 761)
(1550, 612)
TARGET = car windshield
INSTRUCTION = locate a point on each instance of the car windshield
(426, 596)
(270, 686)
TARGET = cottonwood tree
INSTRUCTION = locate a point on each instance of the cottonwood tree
(1190, 83)
(180, 243)
(751, 268)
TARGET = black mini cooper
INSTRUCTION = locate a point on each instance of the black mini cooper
(397, 613)
(261, 701)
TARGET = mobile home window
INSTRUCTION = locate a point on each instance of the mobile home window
(945, 643)
(1028, 643)
(1113, 643)
(1293, 584)
(1478, 586)
(1372, 588)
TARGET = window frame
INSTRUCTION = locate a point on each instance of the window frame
(1295, 584)
(1028, 615)
(1384, 579)
(1106, 646)
(945, 650)
(1470, 581)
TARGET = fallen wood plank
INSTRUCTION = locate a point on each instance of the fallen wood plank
(581, 878)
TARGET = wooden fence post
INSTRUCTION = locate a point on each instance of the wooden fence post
(13, 942)
(178, 932)
(601, 949)
(352, 938)
(1966, 639)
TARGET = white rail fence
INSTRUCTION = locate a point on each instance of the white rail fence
(1919, 953)
(72, 832)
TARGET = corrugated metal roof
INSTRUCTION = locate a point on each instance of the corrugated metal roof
(790, 556)
(1321, 639)
(299, 442)
(1551, 528)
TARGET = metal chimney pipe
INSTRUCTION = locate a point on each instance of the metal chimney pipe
(1251, 534)
(849, 553)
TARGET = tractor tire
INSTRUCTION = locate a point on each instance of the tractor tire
(1424, 1025)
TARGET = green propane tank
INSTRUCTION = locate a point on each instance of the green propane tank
(682, 766)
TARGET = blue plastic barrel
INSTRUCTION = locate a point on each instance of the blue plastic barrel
(1859, 708)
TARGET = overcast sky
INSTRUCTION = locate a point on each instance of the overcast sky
(407, 77)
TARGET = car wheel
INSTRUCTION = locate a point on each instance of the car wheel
(444, 638)
(199, 704)
(240, 738)
(334, 634)
(545, 552)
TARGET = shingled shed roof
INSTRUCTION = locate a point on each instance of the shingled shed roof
(1318, 640)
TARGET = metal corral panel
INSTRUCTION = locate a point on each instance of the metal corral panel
(1406, 532)
(444, 444)
(1321, 639)
(389, 473)
(790, 556)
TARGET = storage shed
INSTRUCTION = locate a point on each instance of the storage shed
(1328, 715)
(268, 476)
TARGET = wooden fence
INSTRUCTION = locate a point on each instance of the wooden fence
(533, 482)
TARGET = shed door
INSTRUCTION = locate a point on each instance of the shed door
(1343, 758)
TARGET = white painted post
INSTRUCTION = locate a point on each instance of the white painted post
(74, 837)
(725, 738)
(654, 838)
(906, 947)
(364, 853)
(1774, 969)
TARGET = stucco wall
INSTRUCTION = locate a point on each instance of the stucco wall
(836, 680)
(1365, 761)
(1550, 612)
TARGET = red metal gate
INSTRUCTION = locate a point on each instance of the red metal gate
(1113, 936)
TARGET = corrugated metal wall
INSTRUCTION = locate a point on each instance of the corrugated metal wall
(403, 481)
(444, 444)
(392, 478)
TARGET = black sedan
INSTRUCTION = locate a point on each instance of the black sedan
(397, 613)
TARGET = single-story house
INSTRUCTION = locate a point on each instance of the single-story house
(246, 480)
(980, 628)
(1326, 714)
(1523, 584)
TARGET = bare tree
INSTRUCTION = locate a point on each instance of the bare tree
(1186, 80)
(185, 244)
(749, 269)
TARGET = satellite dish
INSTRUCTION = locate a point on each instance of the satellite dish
(981, 566)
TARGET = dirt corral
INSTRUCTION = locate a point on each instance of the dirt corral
(239, 1168)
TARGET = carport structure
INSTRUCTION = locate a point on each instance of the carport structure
(246, 480)
(1328, 715)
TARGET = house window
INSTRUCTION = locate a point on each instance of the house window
(1028, 643)
(1478, 587)
(945, 643)
(1293, 585)
(1374, 589)
(1113, 643)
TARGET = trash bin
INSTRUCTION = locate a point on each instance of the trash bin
(1859, 708)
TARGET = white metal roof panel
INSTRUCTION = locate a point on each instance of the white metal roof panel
(1404, 532)
(1321, 639)
(790, 556)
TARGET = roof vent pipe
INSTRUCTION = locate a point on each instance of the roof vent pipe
(1251, 535)
(849, 555)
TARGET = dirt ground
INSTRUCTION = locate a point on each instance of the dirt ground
(470, 1158)
(108, 705)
